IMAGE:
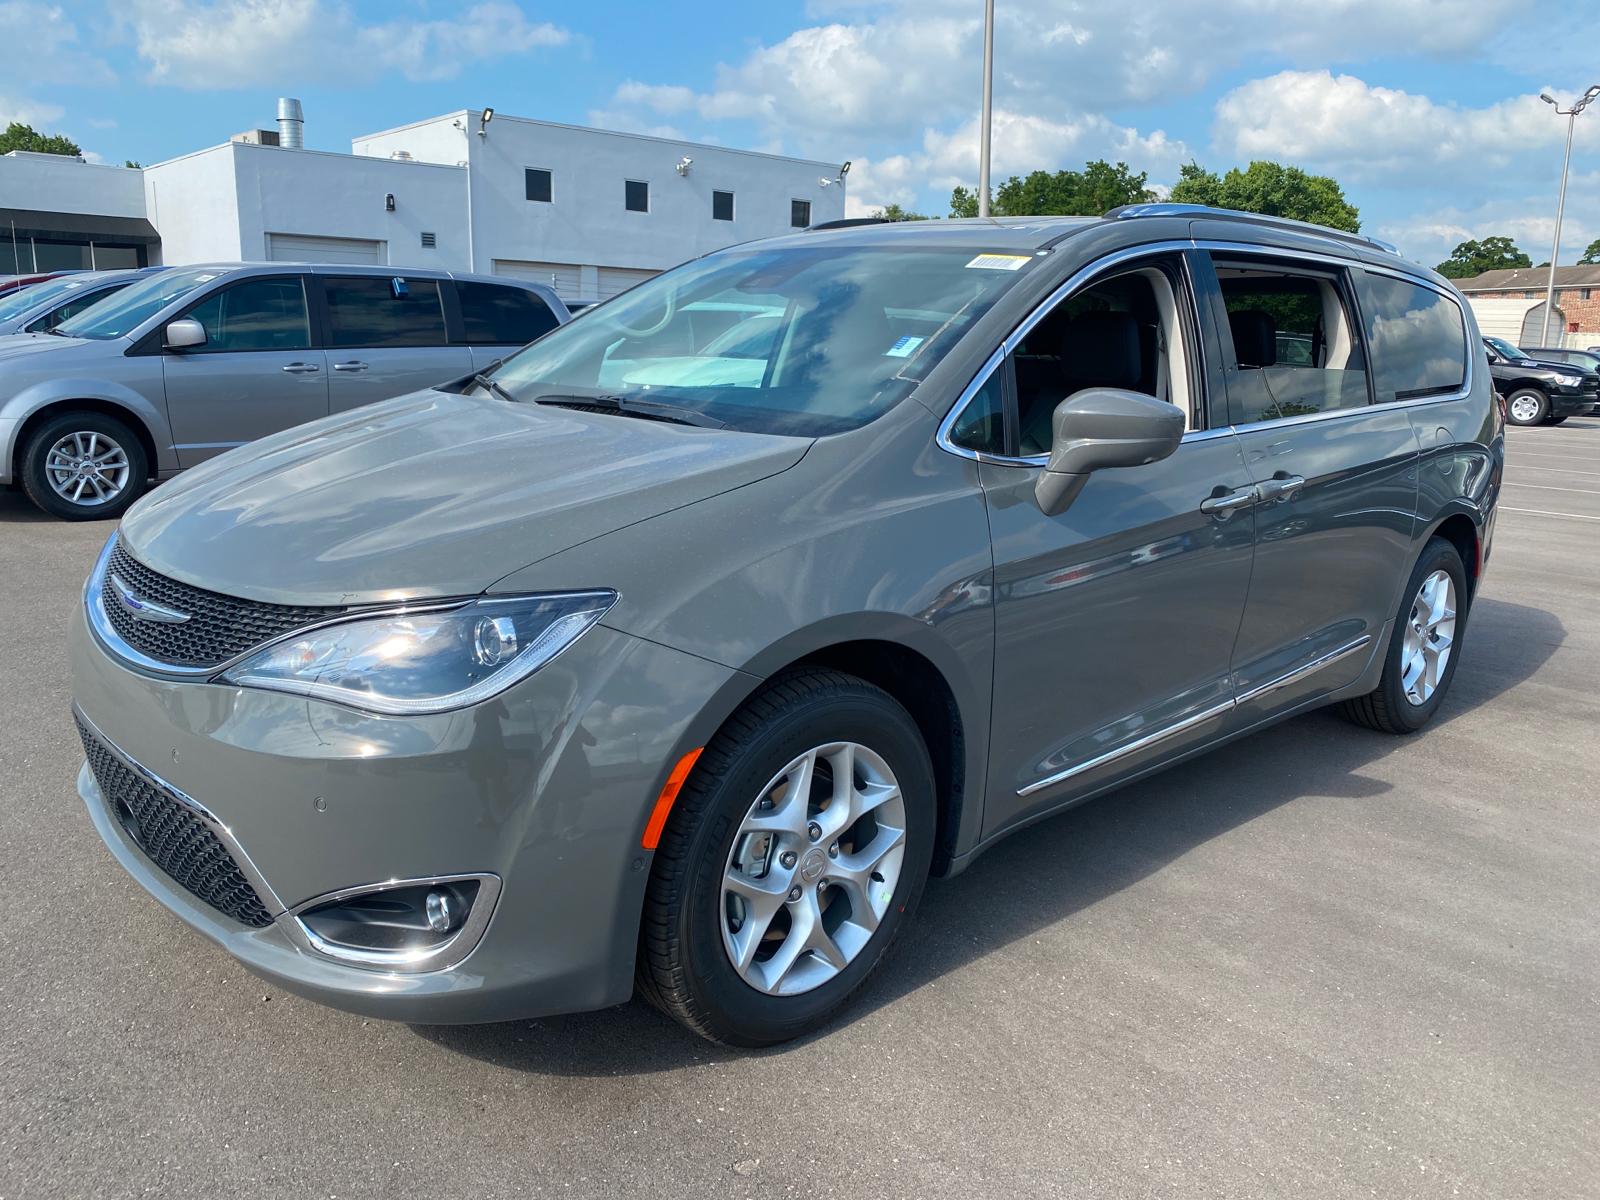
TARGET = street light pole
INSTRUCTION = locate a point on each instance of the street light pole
(988, 108)
(1571, 115)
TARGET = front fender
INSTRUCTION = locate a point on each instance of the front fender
(147, 411)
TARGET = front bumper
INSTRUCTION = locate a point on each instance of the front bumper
(1572, 403)
(546, 787)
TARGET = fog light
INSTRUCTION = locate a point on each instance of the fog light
(438, 911)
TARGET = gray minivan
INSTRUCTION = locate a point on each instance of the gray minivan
(191, 361)
(676, 654)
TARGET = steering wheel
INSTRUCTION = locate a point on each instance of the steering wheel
(652, 330)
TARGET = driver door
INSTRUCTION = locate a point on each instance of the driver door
(1114, 621)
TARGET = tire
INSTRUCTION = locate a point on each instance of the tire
(1393, 706)
(86, 434)
(1535, 406)
(693, 920)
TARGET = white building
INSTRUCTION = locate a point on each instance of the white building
(591, 210)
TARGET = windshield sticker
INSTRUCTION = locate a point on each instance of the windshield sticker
(999, 262)
(204, 278)
(903, 347)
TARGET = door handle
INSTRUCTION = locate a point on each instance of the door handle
(1280, 488)
(1225, 505)
(302, 368)
(353, 365)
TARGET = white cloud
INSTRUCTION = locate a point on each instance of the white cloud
(1341, 123)
(43, 45)
(29, 112)
(245, 43)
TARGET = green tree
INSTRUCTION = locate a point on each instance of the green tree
(893, 212)
(1591, 256)
(1475, 257)
(1087, 193)
(18, 136)
(132, 163)
(1270, 188)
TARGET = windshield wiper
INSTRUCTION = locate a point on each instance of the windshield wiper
(647, 410)
(490, 384)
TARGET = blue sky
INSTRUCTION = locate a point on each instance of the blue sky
(1426, 110)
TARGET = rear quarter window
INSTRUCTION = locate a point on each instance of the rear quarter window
(492, 315)
(1415, 338)
(376, 311)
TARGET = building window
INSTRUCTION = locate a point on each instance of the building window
(1530, 295)
(1585, 293)
(536, 183)
(636, 195)
(722, 206)
(799, 213)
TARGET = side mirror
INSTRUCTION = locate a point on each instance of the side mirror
(185, 334)
(1099, 428)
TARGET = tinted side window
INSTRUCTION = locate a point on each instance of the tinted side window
(258, 314)
(379, 311)
(982, 423)
(72, 308)
(503, 316)
(1294, 349)
(1415, 336)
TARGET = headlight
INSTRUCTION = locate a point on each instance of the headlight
(425, 661)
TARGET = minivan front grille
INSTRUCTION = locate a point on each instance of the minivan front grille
(173, 836)
(217, 627)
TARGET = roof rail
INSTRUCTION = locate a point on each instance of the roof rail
(1167, 208)
(848, 223)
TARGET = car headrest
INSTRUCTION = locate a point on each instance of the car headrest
(1255, 337)
(1101, 349)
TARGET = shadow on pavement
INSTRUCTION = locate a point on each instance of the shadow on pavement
(1063, 865)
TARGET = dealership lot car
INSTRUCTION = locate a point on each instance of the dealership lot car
(1537, 391)
(40, 307)
(191, 361)
(493, 700)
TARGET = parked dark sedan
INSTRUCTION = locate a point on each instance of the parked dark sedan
(1538, 392)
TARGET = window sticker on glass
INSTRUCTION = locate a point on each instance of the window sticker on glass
(903, 347)
(999, 262)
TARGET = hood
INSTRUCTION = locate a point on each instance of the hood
(14, 346)
(431, 494)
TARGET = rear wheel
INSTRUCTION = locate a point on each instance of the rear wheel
(84, 466)
(795, 853)
(1527, 406)
(1424, 648)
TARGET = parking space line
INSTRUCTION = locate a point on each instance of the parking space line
(1545, 487)
(1561, 471)
(1541, 512)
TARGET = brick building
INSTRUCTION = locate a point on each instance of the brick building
(1577, 314)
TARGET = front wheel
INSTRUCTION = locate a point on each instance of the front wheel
(84, 466)
(1424, 648)
(1527, 406)
(795, 853)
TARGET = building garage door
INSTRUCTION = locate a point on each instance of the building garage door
(619, 279)
(289, 247)
(566, 278)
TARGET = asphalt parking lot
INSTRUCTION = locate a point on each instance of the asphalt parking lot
(1320, 962)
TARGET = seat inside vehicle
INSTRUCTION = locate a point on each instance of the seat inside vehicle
(1120, 333)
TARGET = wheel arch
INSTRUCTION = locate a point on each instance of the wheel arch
(1461, 527)
(108, 408)
(906, 659)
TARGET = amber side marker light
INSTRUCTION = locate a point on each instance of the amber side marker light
(669, 793)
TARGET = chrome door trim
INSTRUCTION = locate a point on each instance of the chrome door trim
(1081, 277)
(258, 883)
(1133, 747)
(1300, 672)
(1186, 723)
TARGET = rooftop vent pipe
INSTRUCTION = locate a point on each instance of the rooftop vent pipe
(291, 124)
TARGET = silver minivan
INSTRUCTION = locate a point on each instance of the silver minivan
(191, 361)
(676, 653)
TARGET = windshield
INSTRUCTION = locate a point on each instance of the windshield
(121, 313)
(1504, 348)
(26, 299)
(805, 340)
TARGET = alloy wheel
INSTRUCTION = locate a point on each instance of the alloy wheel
(87, 468)
(1429, 635)
(813, 868)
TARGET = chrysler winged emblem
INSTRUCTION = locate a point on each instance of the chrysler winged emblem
(145, 610)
